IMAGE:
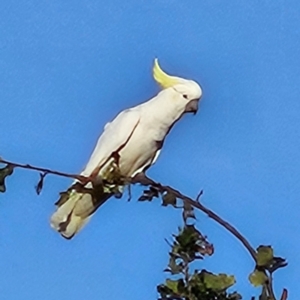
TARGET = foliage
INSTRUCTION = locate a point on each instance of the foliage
(189, 245)
(266, 263)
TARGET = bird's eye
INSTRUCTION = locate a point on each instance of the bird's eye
(185, 96)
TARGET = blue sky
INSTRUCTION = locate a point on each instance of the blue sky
(68, 67)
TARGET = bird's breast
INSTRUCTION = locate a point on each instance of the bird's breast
(139, 151)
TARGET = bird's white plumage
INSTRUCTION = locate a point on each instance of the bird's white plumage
(114, 136)
(133, 141)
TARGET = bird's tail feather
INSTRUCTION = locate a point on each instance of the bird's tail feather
(74, 209)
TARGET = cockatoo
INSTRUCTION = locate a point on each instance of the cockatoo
(129, 145)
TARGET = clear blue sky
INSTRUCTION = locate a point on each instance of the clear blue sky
(68, 67)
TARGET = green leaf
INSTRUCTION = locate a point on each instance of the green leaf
(258, 278)
(189, 244)
(264, 256)
(188, 235)
(172, 288)
(4, 172)
(173, 267)
(172, 285)
(208, 286)
(176, 286)
(169, 199)
(219, 282)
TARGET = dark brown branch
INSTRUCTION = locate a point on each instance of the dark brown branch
(195, 203)
(45, 171)
(284, 294)
(270, 286)
(142, 179)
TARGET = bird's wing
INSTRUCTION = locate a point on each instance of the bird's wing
(114, 137)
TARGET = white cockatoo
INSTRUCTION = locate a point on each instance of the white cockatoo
(129, 145)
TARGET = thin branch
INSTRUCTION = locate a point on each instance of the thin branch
(143, 179)
(225, 224)
(198, 196)
(284, 294)
(270, 286)
(129, 193)
(46, 171)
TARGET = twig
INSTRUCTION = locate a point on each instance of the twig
(198, 196)
(270, 286)
(46, 171)
(284, 294)
(129, 193)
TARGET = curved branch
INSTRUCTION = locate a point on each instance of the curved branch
(144, 180)
(284, 294)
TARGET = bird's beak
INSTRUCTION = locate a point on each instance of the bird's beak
(192, 106)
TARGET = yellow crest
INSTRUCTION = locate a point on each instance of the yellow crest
(162, 78)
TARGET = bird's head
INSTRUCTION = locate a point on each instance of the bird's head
(189, 90)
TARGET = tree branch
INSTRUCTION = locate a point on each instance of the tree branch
(44, 170)
(144, 180)
(270, 286)
(284, 294)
